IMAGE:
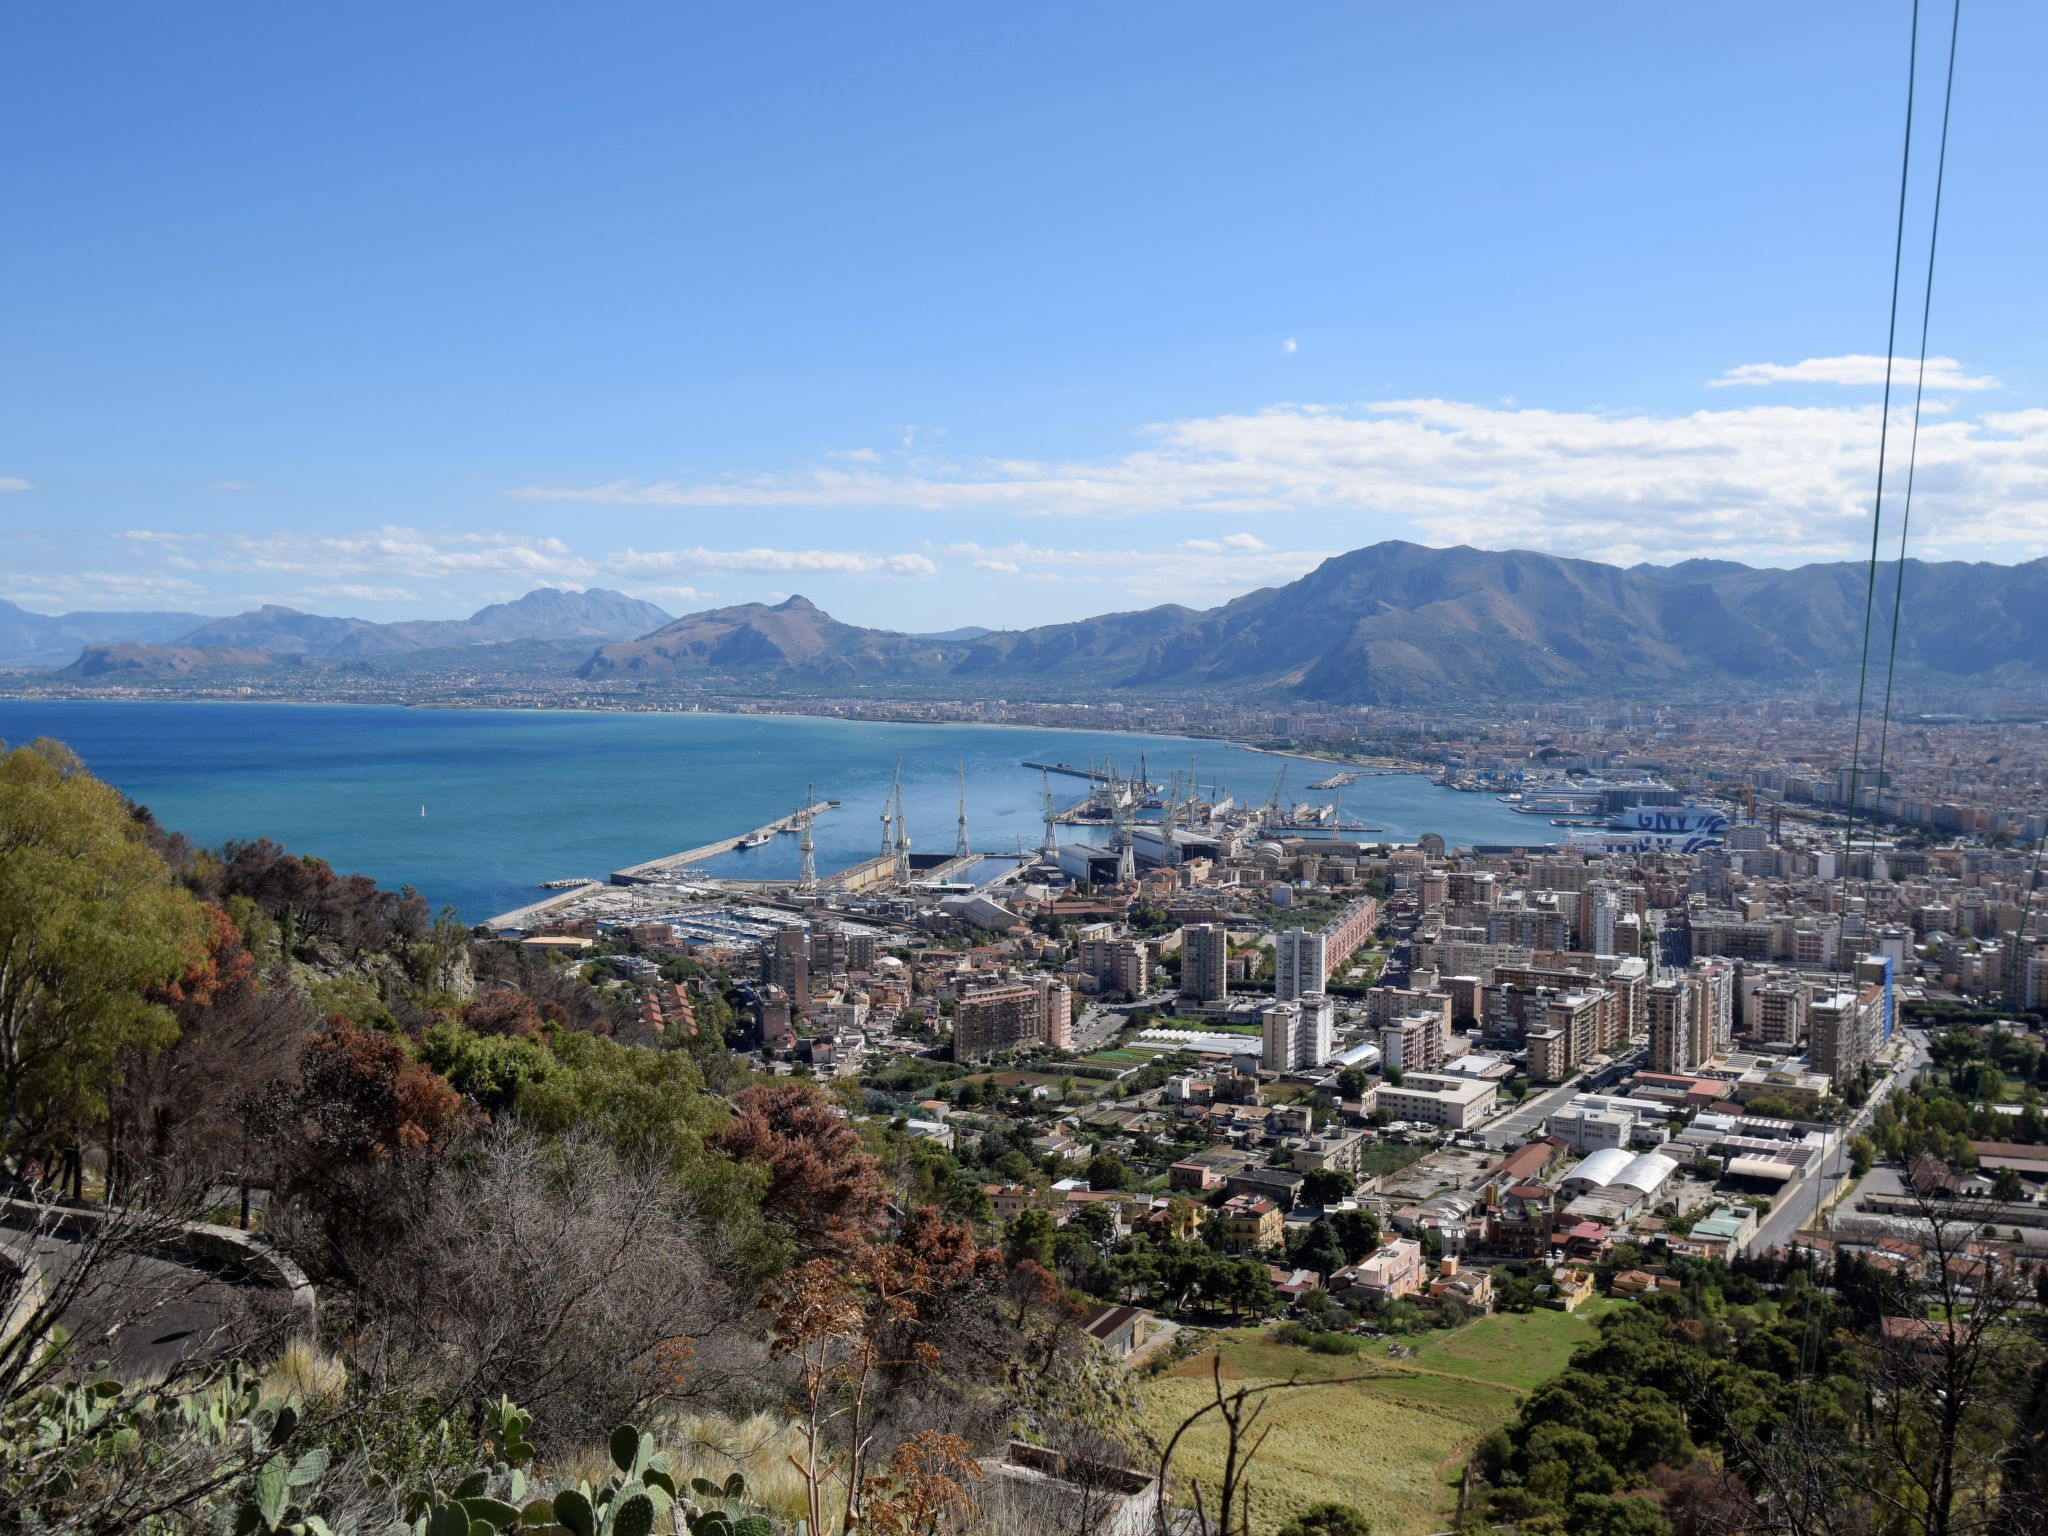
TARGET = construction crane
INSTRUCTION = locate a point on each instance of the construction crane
(960, 845)
(807, 856)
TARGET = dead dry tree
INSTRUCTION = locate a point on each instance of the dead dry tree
(1928, 1425)
(1240, 1410)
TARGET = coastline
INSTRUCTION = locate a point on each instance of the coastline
(1385, 767)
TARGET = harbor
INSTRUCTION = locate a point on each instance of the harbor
(669, 866)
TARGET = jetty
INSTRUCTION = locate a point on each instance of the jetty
(654, 871)
(526, 916)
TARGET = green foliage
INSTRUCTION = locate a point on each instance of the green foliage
(643, 1492)
(1327, 1520)
(92, 926)
(353, 997)
(490, 1070)
(73, 1454)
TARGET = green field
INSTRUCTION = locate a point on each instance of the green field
(1392, 1445)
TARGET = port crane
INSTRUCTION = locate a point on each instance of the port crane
(1049, 850)
(960, 845)
(1273, 800)
(807, 860)
(902, 831)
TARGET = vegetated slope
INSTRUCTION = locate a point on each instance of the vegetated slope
(1391, 623)
(792, 637)
(1401, 623)
(546, 613)
(51, 640)
(136, 661)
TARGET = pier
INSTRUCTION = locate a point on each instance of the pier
(526, 916)
(671, 865)
(1095, 776)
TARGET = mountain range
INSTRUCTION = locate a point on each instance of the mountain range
(1391, 623)
(176, 644)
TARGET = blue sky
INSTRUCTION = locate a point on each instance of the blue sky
(954, 314)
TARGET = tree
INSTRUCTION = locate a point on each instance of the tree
(501, 1011)
(1351, 1082)
(1358, 1231)
(822, 1188)
(2006, 1186)
(1326, 1186)
(1862, 1153)
(1328, 1520)
(91, 924)
(1106, 1170)
(1029, 1236)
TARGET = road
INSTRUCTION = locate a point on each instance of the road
(147, 1311)
(1819, 1189)
(1516, 1127)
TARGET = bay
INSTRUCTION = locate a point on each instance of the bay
(514, 797)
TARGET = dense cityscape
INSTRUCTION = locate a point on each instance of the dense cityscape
(1174, 770)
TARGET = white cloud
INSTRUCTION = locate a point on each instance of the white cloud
(229, 486)
(98, 588)
(1288, 346)
(672, 594)
(364, 594)
(858, 455)
(14, 483)
(838, 561)
(1777, 483)
(1245, 541)
(1196, 570)
(1856, 369)
(404, 552)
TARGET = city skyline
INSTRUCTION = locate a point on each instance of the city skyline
(859, 310)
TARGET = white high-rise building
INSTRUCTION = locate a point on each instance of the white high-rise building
(1299, 966)
(1297, 1033)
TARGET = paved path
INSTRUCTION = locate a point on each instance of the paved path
(145, 1310)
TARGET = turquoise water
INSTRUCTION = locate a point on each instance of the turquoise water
(514, 797)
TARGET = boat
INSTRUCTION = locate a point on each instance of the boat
(754, 839)
(1658, 829)
(423, 810)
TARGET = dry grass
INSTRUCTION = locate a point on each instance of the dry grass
(306, 1373)
(1384, 1446)
(713, 1446)
(1391, 1445)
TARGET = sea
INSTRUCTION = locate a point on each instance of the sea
(474, 808)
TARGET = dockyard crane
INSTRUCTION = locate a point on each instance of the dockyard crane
(960, 846)
(1049, 850)
(1273, 800)
(807, 856)
(902, 831)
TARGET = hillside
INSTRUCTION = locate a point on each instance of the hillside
(792, 637)
(138, 661)
(50, 640)
(1398, 622)
(1389, 624)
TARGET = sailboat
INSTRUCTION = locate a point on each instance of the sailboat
(423, 810)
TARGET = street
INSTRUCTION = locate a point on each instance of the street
(1795, 1209)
